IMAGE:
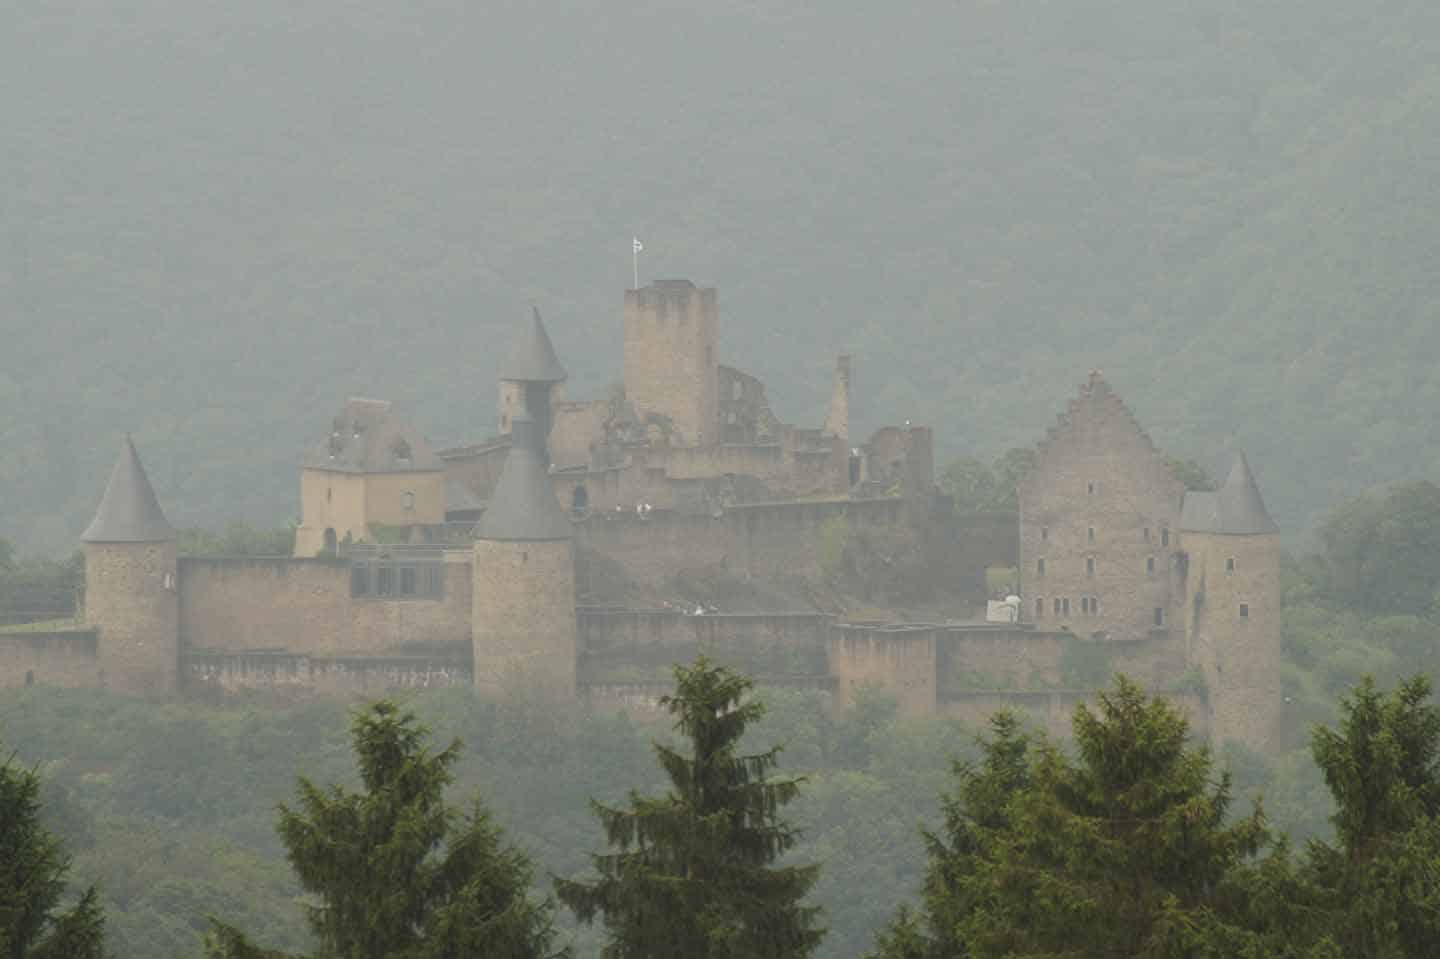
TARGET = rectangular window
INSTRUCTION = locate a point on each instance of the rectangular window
(407, 580)
(359, 580)
(1159, 615)
(1090, 534)
(1039, 608)
(1164, 537)
(1094, 605)
(1044, 533)
(1230, 565)
(1244, 610)
(1089, 566)
(1150, 565)
(1146, 533)
(1065, 606)
(385, 581)
(435, 580)
(1057, 606)
(1040, 567)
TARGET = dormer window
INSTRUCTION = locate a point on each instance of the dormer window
(401, 451)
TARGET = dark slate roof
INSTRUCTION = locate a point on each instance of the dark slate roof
(129, 511)
(532, 359)
(523, 506)
(1235, 508)
(366, 437)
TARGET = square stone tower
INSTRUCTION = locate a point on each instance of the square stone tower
(671, 372)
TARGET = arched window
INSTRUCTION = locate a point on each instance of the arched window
(580, 499)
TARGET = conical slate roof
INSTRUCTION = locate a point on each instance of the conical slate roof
(532, 359)
(523, 506)
(129, 512)
(1234, 508)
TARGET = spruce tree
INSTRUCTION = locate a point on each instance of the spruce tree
(975, 817)
(1380, 880)
(396, 872)
(32, 881)
(1121, 852)
(693, 873)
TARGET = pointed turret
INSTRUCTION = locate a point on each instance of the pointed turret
(1235, 509)
(532, 359)
(129, 511)
(523, 506)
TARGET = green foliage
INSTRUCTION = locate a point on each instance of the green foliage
(1382, 765)
(1191, 473)
(238, 539)
(1382, 550)
(395, 871)
(975, 487)
(33, 589)
(694, 873)
(33, 872)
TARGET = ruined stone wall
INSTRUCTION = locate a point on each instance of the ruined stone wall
(1234, 630)
(1098, 521)
(743, 409)
(341, 676)
(900, 661)
(69, 658)
(523, 616)
(304, 606)
(130, 596)
(632, 644)
(576, 430)
(670, 358)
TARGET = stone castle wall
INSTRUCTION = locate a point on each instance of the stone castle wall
(671, 370)
(130, 593)
(304, 606)
(69, 658)
(1098, 531)
(523, 615)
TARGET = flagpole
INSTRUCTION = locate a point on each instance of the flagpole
(635, 255)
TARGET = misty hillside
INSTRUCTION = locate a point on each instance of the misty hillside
(218, 220)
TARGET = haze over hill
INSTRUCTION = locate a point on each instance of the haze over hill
(220, 220)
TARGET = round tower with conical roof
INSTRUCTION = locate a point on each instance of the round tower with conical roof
(523, 625)
(130, 583)
(1232, 609)
(530, 379)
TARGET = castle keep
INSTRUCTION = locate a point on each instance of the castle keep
(418, 567)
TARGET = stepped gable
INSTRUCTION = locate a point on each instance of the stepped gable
(523, 506)
(532, 359)
(129, 511)
(367, 437)
(1235, 509)
(1094, 391)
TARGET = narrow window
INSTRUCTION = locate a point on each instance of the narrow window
(1146, 533)
(407, 580)
(1040, 567)
(1090, 534)
(384, 581)
(1244, 610)
(1089, 566)
(1164, 537)
(1044, 534)
(1039, 608)
(1230, 565)
(1094, 605)
(1057, 606)
(359, 580)
(435, 580)
(1065, 605)
(1150, 566)
(1159, 615)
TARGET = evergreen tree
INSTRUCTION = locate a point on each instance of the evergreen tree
(397, 872)
(32, 881)
(1120, 852)
(974, 817)
(1380, 881)
(693, 875)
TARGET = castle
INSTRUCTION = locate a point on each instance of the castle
(417, 567)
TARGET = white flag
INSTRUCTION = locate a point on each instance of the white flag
(638, 246)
